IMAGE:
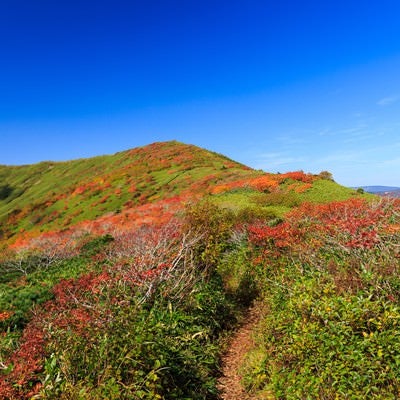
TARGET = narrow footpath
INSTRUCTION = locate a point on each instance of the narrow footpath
(230, 382)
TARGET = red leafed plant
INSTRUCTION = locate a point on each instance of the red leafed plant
(22, 382)
(347, 225)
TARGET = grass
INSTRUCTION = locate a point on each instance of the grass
(324, 191)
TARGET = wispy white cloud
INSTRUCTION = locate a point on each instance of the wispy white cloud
(340, 157)
(324, 132)
(290, 140)
(353, 130)
(270, 161)
(360, 138)
(394, 162)
(385, 101)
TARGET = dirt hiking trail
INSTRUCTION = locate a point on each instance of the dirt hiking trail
(241, 342)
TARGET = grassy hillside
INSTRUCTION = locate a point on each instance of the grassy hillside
(54, 196)
(49, 196)
(120, 277)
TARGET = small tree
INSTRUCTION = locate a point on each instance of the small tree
(214, 226)
(326, 175)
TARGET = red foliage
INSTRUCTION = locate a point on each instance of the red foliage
(351, 224)
(265, 182)
(269, 182)
(79, 190)
(5, 315)
(138, 258)
(132, 189)
(297, 176)
(27, 362)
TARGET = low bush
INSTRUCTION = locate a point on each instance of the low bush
(162, 350)
(143, 321)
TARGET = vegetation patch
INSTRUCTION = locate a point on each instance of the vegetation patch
(330, 278)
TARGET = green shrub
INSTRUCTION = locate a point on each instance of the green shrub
(326, 175)
(238, 275)
(95, 245)
(319, 341)
(252, 213)
(164, 352)
(213, 226)
(285, 198)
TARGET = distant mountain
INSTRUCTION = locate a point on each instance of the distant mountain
(380, 189)
(392, 191)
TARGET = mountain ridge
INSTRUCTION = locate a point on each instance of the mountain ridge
(55, 196)
(378, 188)
(388, 191)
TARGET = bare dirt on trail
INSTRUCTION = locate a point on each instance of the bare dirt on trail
(230, 383)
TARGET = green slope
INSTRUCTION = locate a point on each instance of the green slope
(52, 195)
(57, 195)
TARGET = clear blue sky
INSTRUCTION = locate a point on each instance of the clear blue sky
(277, 85)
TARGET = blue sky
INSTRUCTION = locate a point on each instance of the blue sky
(277, 85)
